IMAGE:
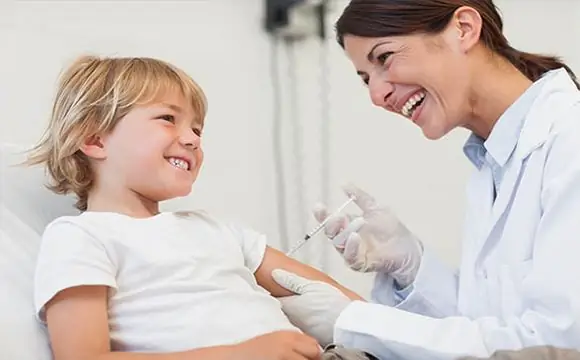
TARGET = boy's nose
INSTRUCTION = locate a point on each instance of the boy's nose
(189, 138)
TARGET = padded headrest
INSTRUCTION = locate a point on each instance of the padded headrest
(23, 190)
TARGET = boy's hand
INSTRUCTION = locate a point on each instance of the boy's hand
(315, 307)
(280, 345)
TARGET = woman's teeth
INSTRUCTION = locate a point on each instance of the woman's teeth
(412, 104)
(179, 163)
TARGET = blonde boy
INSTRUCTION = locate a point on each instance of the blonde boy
(123, 280)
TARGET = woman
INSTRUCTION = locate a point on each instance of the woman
(445, 64)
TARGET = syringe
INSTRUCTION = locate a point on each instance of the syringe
(314, 231)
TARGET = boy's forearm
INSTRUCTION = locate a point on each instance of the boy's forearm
(274, 259)
(348, 292)
(314, 274)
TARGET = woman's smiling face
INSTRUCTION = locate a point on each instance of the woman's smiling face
(423, 77)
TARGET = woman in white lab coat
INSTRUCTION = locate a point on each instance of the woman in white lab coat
(444, 64)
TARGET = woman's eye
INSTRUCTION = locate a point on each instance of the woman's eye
(383, 57)
(169, 118)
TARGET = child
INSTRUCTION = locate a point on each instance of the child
(123, 280)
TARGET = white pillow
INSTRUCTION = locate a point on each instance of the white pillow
(26, 207)
(23, 190)
(21, 336)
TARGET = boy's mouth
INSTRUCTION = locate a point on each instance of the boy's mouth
(179, 163)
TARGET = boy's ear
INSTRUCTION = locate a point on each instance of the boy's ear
(94, 148)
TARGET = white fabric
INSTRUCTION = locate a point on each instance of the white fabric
(177, 281)
(26, 206)
(518, 281)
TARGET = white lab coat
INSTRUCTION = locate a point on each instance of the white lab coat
(518, 284)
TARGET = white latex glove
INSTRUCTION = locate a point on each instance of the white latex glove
(376, 241)
(316, 306)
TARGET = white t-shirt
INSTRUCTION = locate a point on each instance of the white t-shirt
(176, 282)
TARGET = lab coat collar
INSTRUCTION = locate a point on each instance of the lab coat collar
(508, 130)
(504, 136)
(553, 98)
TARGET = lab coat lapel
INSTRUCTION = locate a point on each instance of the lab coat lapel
(492, 213)
(479, 214)
(509, 185)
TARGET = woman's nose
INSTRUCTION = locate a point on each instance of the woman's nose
(380, 90)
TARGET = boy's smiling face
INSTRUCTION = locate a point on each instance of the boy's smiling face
(154, 151)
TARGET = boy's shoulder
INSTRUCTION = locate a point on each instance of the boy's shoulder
(79, 219)
(67, 219)
(93, 223)
(83, 221)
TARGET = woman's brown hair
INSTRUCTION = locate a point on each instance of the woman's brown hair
(381, 18)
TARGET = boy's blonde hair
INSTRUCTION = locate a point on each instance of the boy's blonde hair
(93, 95)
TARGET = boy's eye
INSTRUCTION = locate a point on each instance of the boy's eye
(169, 118)
(197, 131)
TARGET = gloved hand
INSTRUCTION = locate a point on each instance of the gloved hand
(316, 306)
(375, 241)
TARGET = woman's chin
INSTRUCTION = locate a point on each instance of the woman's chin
(433, 132)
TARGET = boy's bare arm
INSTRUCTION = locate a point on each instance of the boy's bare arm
(274, 259)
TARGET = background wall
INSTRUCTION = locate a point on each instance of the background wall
(222, 45)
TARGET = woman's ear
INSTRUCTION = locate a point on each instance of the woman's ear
(466, 23)
(93, 147)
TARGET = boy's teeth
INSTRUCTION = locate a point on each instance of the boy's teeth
(408, 107)
(182, 164)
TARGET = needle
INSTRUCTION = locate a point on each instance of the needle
(314, 231)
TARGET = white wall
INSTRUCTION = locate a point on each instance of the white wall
(222, 45)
